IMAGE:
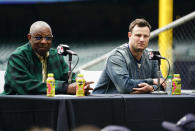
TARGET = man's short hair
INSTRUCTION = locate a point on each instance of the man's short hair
(140, 23)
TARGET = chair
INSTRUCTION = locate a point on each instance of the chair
(91, 76)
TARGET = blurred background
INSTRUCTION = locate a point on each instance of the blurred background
(94, 27)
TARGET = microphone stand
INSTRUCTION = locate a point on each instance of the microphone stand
(70, 70)
(158, 81)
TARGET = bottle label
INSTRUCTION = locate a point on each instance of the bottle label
(51, 87)
(80, 87)
(176, 89)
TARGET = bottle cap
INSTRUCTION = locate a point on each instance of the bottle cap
(169, 77)
(50, 74)
(80, 75)
(176, 75)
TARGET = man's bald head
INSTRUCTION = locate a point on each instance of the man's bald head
(40, 37)
(37, 25)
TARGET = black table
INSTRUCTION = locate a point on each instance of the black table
(64, 112)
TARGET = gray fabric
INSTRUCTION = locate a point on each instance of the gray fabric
(121, 73)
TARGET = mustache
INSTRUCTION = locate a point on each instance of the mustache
(43, 45)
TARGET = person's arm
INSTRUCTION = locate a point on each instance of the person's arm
(144, 88)
(119, 74)
(19, 80)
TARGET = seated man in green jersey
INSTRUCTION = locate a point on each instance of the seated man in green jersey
(29, 65)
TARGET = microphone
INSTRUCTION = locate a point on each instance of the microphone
(155, 55)
(64, 50)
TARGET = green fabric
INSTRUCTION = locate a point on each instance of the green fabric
(24, 72)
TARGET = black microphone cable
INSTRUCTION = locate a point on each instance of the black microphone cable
(76, 62)
(70, 71)
(167, 73)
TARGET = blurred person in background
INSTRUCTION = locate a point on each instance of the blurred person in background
(115, 128)
(86, 128)
(29, 65)
(128, 68)
(36, 128)
(186, 123)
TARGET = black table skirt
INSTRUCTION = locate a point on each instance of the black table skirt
(64, 112)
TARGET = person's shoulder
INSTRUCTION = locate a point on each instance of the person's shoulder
(119, 52)
(21, 49)
(53, 51)
(122, 47)
(119, 48)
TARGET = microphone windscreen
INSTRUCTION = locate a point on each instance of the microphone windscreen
(151, 55)
(64, 50)
(60, 49)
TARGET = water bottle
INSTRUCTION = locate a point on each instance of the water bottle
(169, 85)
(50, 82)
(176, 82)
(80, 81)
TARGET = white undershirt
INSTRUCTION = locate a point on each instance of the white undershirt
(139, 65)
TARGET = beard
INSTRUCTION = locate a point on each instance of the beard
(42, 52)
(137, 49)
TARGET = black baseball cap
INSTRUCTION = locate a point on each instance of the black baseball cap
(186, 123)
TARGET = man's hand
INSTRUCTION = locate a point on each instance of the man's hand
(144, 88)
(155, 82)
(72, 88)
(87, 87)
